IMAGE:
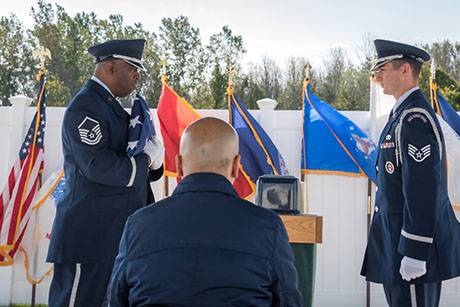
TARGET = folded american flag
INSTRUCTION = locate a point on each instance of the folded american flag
(141, 127)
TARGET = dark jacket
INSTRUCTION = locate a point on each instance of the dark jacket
(204, 246)
(103, 185)
(413, 216)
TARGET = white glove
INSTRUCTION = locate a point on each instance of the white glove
(154, 149)
(412, 268)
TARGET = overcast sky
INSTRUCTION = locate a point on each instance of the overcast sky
(286, 28)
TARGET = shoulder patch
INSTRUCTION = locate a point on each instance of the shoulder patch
(90, 131)
(414, 116)
(417, 153)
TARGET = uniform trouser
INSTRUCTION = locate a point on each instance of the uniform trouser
(88, 282)
(413, 295)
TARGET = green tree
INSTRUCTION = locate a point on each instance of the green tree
(225, 50)
(331, 78)
(353, 93)
(291, 97)
(271, 78)
(181, 44)
(446, 55)
(68, 39)
(16, 62)
(449, 87)
(248, 87)
(261, 81)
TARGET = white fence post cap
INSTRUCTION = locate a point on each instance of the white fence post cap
(19, 100)
(267, 103)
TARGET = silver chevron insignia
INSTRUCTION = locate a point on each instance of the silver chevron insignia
(90, 131)
(419, 154)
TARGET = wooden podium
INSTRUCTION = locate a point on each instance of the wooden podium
(305, 228)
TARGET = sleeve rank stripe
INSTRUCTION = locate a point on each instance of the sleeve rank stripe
(416, 237)
(133, 173)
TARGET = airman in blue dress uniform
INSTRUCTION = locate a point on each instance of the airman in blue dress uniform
(414, 239)
(103, 184)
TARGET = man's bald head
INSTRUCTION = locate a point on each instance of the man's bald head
(209, 145)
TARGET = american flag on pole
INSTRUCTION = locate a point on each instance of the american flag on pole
(23, 182)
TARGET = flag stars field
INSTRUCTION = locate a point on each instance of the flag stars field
(133, 122)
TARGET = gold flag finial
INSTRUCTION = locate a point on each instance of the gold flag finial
(307, 71)
(163, 63)
(231, 75)
(42, 55)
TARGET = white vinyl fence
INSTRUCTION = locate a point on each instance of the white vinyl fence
(340, 200)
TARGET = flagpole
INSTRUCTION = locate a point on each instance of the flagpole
(369, 202)
(41, 55)
(165, 186)
(369, 191)
(303, 178)
(34, 285)
(434, 88)
(164, 79)
(369, 211)
(229, 92)
(433, 69)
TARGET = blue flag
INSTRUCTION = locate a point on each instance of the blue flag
(141, 127)
(259, 156)
(443, 108)
(333, 144)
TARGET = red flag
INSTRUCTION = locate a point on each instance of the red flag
(175, 114)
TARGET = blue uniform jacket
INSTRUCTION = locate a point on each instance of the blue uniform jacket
(204, 246)
(413, 216)
(103, 185)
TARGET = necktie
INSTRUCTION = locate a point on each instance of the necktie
(391, 115)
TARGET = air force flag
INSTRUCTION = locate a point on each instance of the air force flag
(333, 144)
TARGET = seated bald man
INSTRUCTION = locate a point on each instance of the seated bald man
(204, 246)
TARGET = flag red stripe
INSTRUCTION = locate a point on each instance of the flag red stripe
(12, 179)
(18, 197)
(1, 211)
(16, 244)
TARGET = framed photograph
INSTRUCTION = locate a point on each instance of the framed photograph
(279, 193)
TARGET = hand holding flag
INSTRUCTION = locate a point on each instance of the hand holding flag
(141, 134)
